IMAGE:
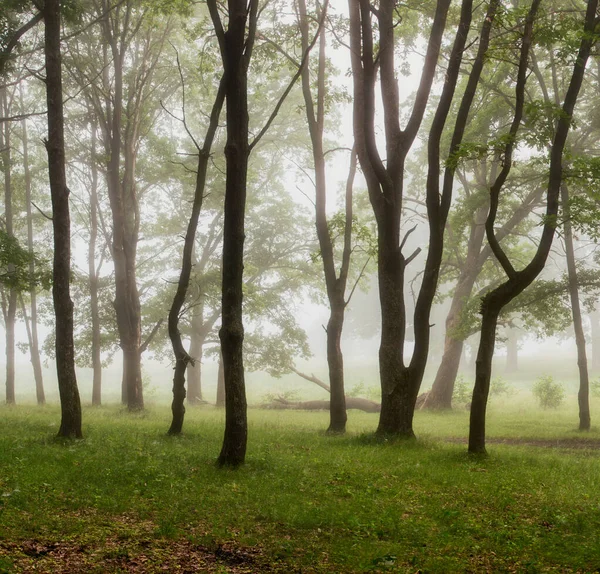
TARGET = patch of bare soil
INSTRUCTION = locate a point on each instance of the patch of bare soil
(575, 443)
(128, 545)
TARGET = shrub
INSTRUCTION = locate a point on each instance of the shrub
(499, 387)
(595, 388)
(548, 392)
(462, 391)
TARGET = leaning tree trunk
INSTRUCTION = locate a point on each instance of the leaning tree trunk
(70, 425)
(182, 358)
(583, 395)
(34, 347)
(518, 281)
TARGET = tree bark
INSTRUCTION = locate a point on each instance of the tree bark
(583, 396)
(70, 425)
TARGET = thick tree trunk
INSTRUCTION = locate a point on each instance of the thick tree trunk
(583, 395)
(32, 324)
(70, 425)
(237, 150)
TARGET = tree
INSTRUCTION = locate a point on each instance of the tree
(182, 358)
(385, 182)
(335, 281)
(518, 280)
(70, 425)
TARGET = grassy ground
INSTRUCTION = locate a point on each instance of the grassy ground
(130, 499)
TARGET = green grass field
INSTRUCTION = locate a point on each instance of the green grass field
(130, 499)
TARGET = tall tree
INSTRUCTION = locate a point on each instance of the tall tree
(335, 281)
(400, 382)
(70, 425)
(518, 280)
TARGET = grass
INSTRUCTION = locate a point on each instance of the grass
(130, 499)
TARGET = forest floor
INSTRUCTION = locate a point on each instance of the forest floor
(128, 498)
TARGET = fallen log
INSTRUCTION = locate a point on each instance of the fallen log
(351, 403)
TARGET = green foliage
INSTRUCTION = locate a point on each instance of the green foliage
(462, 391)
(549, 393)
(500, 387)
(15, 263)
(595, 388)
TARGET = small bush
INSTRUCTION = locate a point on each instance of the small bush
(462, 391)
(548, 392)
(595, 388)
(499, 387)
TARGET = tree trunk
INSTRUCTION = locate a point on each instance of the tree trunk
(94, 277)
(237, 150)
(194, 371)
(440, 396)
(11, 307)
(512, 351)
(220, 402)
(70, 425)
(335, 361)
(595, 328)
(32, 324)
(182, 358)
(483, 372)
(335, 284)
(583, 395)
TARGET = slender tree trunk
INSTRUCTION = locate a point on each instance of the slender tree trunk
(518, 281)
(220, 402)
(583, 395)
(512, 351)
(11, 307)
(595, 328)
(440, 396)
(194, 371)
(32, 325)
(335, 284)
(94, 277)
(182, 358)
(70, 425)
